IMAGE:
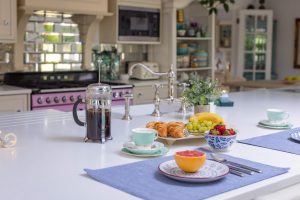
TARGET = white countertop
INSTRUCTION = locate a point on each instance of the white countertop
(12, 90)
(138, 83)
(49, 158)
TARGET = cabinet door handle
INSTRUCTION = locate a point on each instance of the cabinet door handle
(5, 22)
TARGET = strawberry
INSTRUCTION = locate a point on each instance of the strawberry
(231, 131)
(220, 128)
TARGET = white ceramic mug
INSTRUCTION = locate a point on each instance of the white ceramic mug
(277, 114)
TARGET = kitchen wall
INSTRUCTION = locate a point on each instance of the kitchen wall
(285, 12)
(6, 57)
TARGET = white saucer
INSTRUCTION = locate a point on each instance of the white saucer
(137, 149)
(211, 171)
(161, 152)
(274, 123)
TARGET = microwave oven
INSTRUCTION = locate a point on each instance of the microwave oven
(138, 24)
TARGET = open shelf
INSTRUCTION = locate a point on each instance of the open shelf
(194, 38)
(193, 69)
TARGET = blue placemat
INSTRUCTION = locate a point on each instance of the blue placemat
(280, 141)
(143, 180)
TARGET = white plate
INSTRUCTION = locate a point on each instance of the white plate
(161, 152)
(295, 136)
(211, 171)
(275, 127)
(151, 149)
(171, 140)
(272, 123)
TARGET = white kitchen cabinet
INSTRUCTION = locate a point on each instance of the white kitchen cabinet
(255, 44)
(92, 7)
(145, 94)
(14, 103)
(8, 21)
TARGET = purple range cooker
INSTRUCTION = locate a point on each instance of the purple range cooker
(59, 90)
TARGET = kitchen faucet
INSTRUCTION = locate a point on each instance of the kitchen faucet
(171, 84)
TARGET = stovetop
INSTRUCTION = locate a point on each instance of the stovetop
(41, 82)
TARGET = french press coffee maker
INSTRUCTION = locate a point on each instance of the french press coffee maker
(98, 112)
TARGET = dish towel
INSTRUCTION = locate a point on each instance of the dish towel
(143, 180)
(280, 141)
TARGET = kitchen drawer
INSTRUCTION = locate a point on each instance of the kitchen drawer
(145, 94)
(13, 103)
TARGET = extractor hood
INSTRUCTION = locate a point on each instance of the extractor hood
(89, 7)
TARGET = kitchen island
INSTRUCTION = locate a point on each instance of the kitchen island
(49, 158)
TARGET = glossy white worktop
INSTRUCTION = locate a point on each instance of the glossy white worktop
(48, 160)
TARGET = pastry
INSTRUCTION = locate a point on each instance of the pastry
(162, 129)
(176, 129)
(150, 124)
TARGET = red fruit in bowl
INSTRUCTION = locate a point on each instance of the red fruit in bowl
(231, 131)
(220, 128)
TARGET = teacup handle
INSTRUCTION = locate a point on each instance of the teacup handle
(286, 115)
(156, 135)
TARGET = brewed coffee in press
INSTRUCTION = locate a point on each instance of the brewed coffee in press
(98, 112)
(94, 123)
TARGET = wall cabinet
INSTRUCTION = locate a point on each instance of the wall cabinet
(8, 21)
(92, 7)
(255, 44)
(14, 103)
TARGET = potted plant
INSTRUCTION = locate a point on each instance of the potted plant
(212, 5)
(201, 92)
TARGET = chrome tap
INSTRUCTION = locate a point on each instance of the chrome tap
(171, 77)
(171, 86)
(156, 111)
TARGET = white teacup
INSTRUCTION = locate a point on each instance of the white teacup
(277, 115)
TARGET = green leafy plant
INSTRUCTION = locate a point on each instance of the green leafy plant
(212, 5)
(202, 91)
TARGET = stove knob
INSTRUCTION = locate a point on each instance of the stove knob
(64, 99)
(72, 98)
(116, 94)
(56, 99)
(40, 100)
(79, 97)
(48, 100)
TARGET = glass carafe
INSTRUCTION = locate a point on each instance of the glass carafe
(98, 112)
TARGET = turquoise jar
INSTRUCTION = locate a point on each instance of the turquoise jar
(199, 59)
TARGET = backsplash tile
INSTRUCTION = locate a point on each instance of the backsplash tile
(6, 57)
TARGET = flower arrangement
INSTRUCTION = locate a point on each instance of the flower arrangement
(202, 91)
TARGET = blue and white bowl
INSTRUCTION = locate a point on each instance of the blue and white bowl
(220, 142)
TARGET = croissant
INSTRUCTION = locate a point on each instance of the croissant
(150, 124)
(162, 129)
(176, 129)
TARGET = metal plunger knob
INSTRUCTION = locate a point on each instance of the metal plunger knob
(127, 98)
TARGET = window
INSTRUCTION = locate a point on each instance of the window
(52, 42)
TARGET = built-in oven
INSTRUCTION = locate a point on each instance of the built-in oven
(138, 24)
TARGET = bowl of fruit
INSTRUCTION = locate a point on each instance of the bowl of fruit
(220, 137)
(201, 123)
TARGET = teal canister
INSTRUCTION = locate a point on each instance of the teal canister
(199, 59)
